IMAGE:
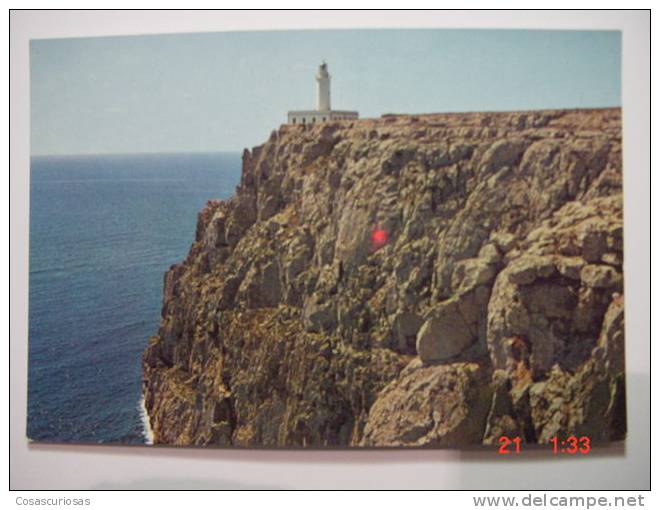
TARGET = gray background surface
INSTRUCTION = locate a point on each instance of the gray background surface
(620, 466)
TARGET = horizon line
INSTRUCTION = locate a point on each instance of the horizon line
(382, 115)
(134, 153)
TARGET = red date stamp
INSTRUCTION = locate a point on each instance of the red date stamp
(509, 445)
(571, 445)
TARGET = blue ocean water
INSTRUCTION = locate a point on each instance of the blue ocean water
(103, 230)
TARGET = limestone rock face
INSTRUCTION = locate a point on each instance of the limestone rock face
(436, 280)
(442, 405)
(552, 298)
(502, 417)
(612, 336)
(587, 402)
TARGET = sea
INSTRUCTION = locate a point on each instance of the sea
(103, 231)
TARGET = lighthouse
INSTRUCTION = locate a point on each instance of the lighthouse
(323, 112)
(323, 88)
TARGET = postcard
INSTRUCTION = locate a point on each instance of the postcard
(328, 239)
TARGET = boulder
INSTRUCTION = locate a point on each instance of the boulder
(444, 405)
(444, 335)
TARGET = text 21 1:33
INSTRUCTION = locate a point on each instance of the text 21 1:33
(571, 445)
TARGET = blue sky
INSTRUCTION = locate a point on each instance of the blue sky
(226, 91)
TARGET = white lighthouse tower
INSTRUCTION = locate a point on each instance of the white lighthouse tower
(323, 88)
(323, 112)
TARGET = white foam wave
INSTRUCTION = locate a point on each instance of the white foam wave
(146, 425)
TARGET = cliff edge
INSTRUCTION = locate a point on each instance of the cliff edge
(432, 280)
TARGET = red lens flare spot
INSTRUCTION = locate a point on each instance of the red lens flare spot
(378, 238)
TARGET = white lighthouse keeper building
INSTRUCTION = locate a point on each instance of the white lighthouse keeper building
(323, 112)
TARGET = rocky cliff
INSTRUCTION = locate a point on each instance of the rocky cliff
(432, 280)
